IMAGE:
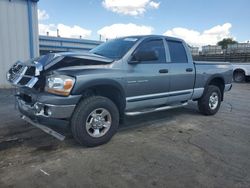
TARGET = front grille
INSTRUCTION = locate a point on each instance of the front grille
(31, 71)
(22, 75)
(24, 80)
(14, 72)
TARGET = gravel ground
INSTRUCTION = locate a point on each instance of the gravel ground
(175, 148)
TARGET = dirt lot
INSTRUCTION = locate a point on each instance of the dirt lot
(175, 148)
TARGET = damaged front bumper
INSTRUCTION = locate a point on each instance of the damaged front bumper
(39, 109)
(46, 111)
(44, 128)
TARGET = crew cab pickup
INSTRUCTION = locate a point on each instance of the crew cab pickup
(91, 92)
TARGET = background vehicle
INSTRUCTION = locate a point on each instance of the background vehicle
(127, 76)
(241, 71)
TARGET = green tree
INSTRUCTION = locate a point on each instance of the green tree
(225, 42)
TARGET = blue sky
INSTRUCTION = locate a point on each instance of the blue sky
(197, 21)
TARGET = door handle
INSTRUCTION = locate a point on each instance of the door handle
(163, 71)
(189, 70)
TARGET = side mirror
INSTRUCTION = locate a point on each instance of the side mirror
(144, 56)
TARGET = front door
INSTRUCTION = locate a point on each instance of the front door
(148, 80)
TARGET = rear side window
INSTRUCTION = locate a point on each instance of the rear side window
(177, 52)
(157, 46)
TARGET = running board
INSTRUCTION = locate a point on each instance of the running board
(44, 128)
(155, 109)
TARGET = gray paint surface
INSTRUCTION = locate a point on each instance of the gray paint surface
(144, 79)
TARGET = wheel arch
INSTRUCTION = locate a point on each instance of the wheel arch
(106, 88)
(239, 70)
(217, 80)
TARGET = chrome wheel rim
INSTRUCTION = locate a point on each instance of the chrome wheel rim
(213, 101)
(98, 122)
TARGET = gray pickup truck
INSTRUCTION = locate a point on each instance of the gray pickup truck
(92, 92)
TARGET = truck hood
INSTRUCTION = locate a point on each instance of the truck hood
(65, 59)
(30, 72)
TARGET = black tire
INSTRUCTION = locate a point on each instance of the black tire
(204, 101)
(239, 76)
(83, 111)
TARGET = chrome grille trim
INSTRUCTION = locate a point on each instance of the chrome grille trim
(20, 76)
(32, 82)
(18, 71)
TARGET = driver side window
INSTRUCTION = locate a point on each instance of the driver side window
(154, 45)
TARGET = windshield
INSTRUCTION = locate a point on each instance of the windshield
(115, 49)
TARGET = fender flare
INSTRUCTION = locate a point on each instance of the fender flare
(101, 82)
(215, 76)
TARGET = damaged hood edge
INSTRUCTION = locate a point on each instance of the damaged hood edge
(97, 59)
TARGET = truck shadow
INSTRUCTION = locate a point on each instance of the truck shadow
(25, 135)
(133, 122)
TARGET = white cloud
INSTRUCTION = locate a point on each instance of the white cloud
(196, 38)
(64, 30)
(42, 15)
(154, 4)
(130, 7)
(120, 30)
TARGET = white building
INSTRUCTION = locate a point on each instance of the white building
(211, 50)
(18, 34)
(194, 50)
(59, 44)
(238, 48)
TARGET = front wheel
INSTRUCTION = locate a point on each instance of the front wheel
(94, 121)
(209, 103)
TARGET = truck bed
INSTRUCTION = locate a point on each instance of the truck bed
(205, 70)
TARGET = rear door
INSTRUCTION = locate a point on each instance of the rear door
(182, 72)
(148, 81)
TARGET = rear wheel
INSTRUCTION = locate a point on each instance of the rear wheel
(239, 76)
(209, 103)
(95, 121)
